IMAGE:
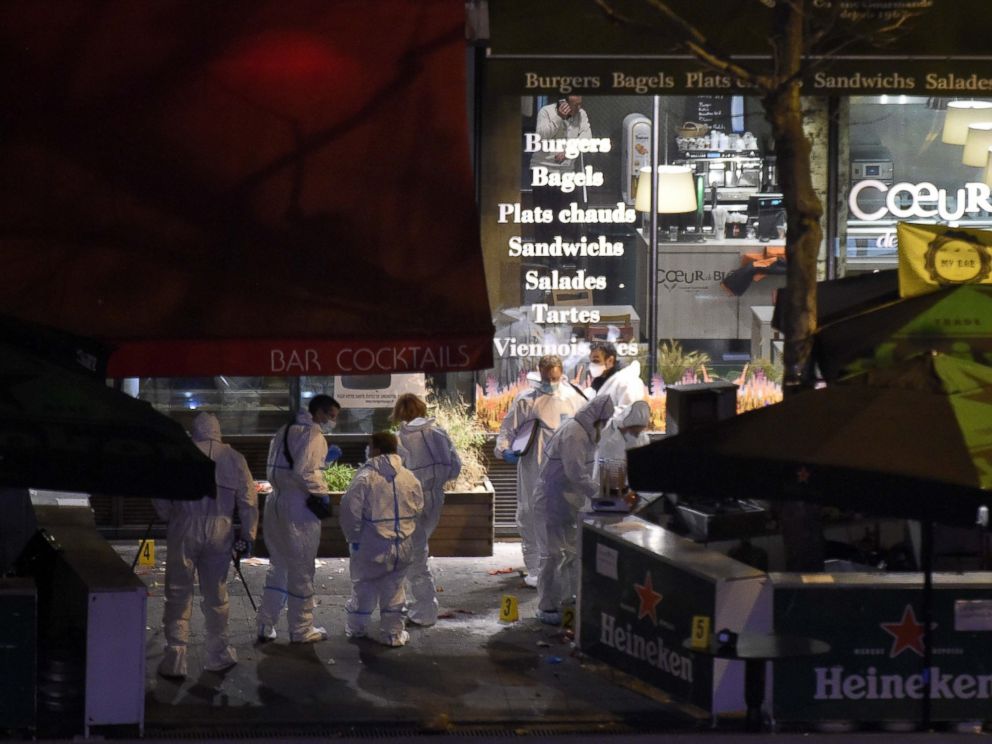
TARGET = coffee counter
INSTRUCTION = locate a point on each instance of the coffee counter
(691, 301)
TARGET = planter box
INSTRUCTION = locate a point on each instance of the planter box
(465, 529)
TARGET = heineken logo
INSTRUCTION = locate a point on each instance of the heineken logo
(649, 599)
(907, 634)
(651, 651)
(833, 683)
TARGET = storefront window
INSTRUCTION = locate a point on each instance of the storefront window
(244, 405)
(902, 170)
(260, 405)
(568, 242)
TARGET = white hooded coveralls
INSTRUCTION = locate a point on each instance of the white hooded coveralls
(549, 410)
(292, 531)
(200, 537)
(613, 445)
(566, 485)
(427, 452)
(379, 514)
(624, 387)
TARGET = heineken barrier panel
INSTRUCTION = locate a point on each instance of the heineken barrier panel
(641, 590)
(873, 623)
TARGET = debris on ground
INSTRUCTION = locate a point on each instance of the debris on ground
(438, 724)
(451, 614)
(554, 660)
(544, 644)
(498, 571)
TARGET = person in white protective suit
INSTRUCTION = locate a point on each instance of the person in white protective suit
(565, 487)
(621, 382)
(296, 460)
(427, 451)
(621, 433)
(625, 430)
(545, 407)
(200, 539)
(379, 514)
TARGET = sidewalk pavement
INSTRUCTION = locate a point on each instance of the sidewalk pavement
(468, 671)
(468, 677)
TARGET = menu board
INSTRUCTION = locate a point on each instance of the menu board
(714, 111)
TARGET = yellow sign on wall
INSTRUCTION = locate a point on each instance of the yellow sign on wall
(933, 257)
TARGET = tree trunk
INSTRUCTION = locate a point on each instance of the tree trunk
(801, 527)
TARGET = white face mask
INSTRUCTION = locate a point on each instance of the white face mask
(549, 388)
(597, 369)
(328, 426)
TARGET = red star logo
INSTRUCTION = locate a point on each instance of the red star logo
(649, 598)
(907, 633)
(802, 475)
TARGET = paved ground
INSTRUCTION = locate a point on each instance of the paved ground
(470, 676)
(469, 670)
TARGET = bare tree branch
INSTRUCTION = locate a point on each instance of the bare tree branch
(696, 43)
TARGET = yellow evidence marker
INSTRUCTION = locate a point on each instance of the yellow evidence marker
(568, 617)
(700, 637)
(508, 610)
(146, 553)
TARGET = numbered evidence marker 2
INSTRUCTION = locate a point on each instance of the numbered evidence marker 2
(508, 610)
(146, 553)
(568, 617)
(700, 631)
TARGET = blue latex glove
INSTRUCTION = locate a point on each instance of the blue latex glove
(333, 453)
(511, 457)
(354, 547)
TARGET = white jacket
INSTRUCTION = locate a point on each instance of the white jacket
(624, 387)
(234, 484)
(568, 469)
(379, 511)
(427, 451)
(308, 449)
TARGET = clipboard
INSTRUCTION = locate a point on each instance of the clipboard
(525, 439)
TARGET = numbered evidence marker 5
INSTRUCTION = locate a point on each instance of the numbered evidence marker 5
(700, 631)
(146, 553)
(508, 610)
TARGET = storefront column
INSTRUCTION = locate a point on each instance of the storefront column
(501, 184)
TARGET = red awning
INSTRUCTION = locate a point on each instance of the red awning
(244, 188)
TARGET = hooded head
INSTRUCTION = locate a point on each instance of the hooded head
(633, 422)
(638, 414)
(206, 427)
(593, 414)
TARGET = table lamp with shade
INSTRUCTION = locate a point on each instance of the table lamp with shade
(959, 115)
(976, 146)
(676, 190)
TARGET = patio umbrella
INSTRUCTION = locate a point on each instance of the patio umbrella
(913, 440)
(956, 320)
(848, 295)
(65, 430)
